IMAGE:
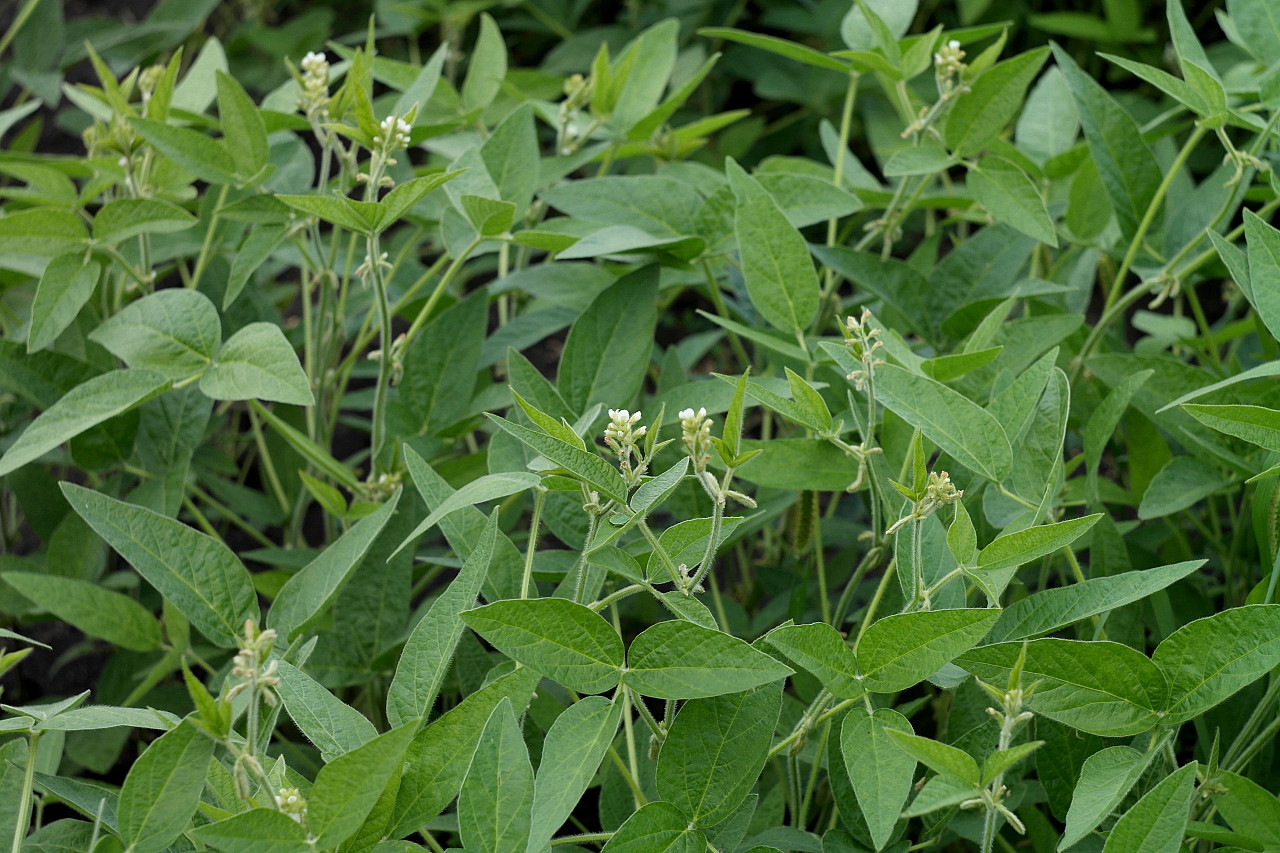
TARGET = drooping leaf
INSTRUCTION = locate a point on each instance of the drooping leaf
(162, 789)
(879, 769)
(571, 754)
(347, 788)
(1156, 822)
(333, 726)
(1105, 778)
(97, 611)
(497, 793)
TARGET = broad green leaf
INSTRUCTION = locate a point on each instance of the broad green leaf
(1250, 809)
(497, 793)
(331, 725)
(657, 827)
(94, 717)
(485, 488)
(42, 231)
(1264, 269)
(681, 660)
(879, 769)
(162, 789)
(1000, 761)
(659, 205)
(950, 420)
(779, 46)
(243, 130)
(67, 284)
(645, 66)
(938, 757)
(593, 470)
(397, 203)
(716, 748)
(258, 830)
(571, 754)
(87, 405)
(1207, 660)
(1011, 197)
(962, 538)
(360, 217)
(429, 649)
(1020, 547)
(257, 362)
(441, 364)
(902, 650)
(123, 218)
(347, 788)
(776, 265)
(1255, 424)
(1129, 171)
(1105, 778)
(1258, 24)
(206, 158)
(565, 641)
(1180, 484)
(1156, 822)
(173, 332)
(487, 68)
(257, 247)
(198, 574)
(489, 217)
(991, 103)
(315, 585)
(1098, 687)
(607, 352)
(808, 199)
(1102, 426)
(819, 649)
(944, 368)
(97, 611)
(654, 491)
(437, 759)
(1051, 609)
(897, 15)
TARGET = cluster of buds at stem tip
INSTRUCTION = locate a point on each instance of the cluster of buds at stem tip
(695, 432)
(948, 62)
(291, 802)
(938, 491)
(862, 340)
(313, 100)
(252, 665)
(622, 436)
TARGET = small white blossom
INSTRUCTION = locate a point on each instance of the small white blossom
(695, 432)
(314, 100)
(395, 133)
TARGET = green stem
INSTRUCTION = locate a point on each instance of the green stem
(717, 521)
(539, 496)
(383, 388)
(23, 822)
(580, 568)
(202, 260)
(421, 319)
(667, 562)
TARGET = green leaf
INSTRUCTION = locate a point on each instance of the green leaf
(1102, 425)
(654, 491)
(589, 467)
(1012, 198)
(429, 649)
(1207, 660)
(991, 103)
(571, 754)
(1250, 809)
(962, 539)
(193, 151)
(1127, 167)
(880, 770)
(347, 788)
(437, 759)
(715, 750)
(779, 46)
(1098, 687)
(257, 362)
(657, 827)
(896, 15)
(950, 420)
(331, 725)
(1156, 822)
(243, 130)
(97, 611)
(1264, 270)
(938, 757)
(819, 649)
(84, 406)
(489, 217)
(776, 265)
(257, 247)
(173, 332)
(162, 789)
(1020, 547)
(487, 68)
(123, 218)
(42, 231)
(65, 286)
(255, 831)
(1105, 778)
(607, 352)
(497, 794)
(441, 364)
(681, 660)
(1051, 609)
(197, 573)
(397, 203)
(485, 488)
(360, 217)
(902, 650)
(565, 641)
(308, 592)
(1258, 25)
(1255, 424)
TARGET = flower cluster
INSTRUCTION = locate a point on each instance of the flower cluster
(291, 802)
(622, 436)
(695, 432)
(314, 98)
(252, 663)
(948, 62)
(862, 340)
(394, 133)
(938, 491)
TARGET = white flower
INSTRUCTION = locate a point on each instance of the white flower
(395, 131)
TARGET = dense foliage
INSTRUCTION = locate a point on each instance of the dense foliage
(682, 426)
